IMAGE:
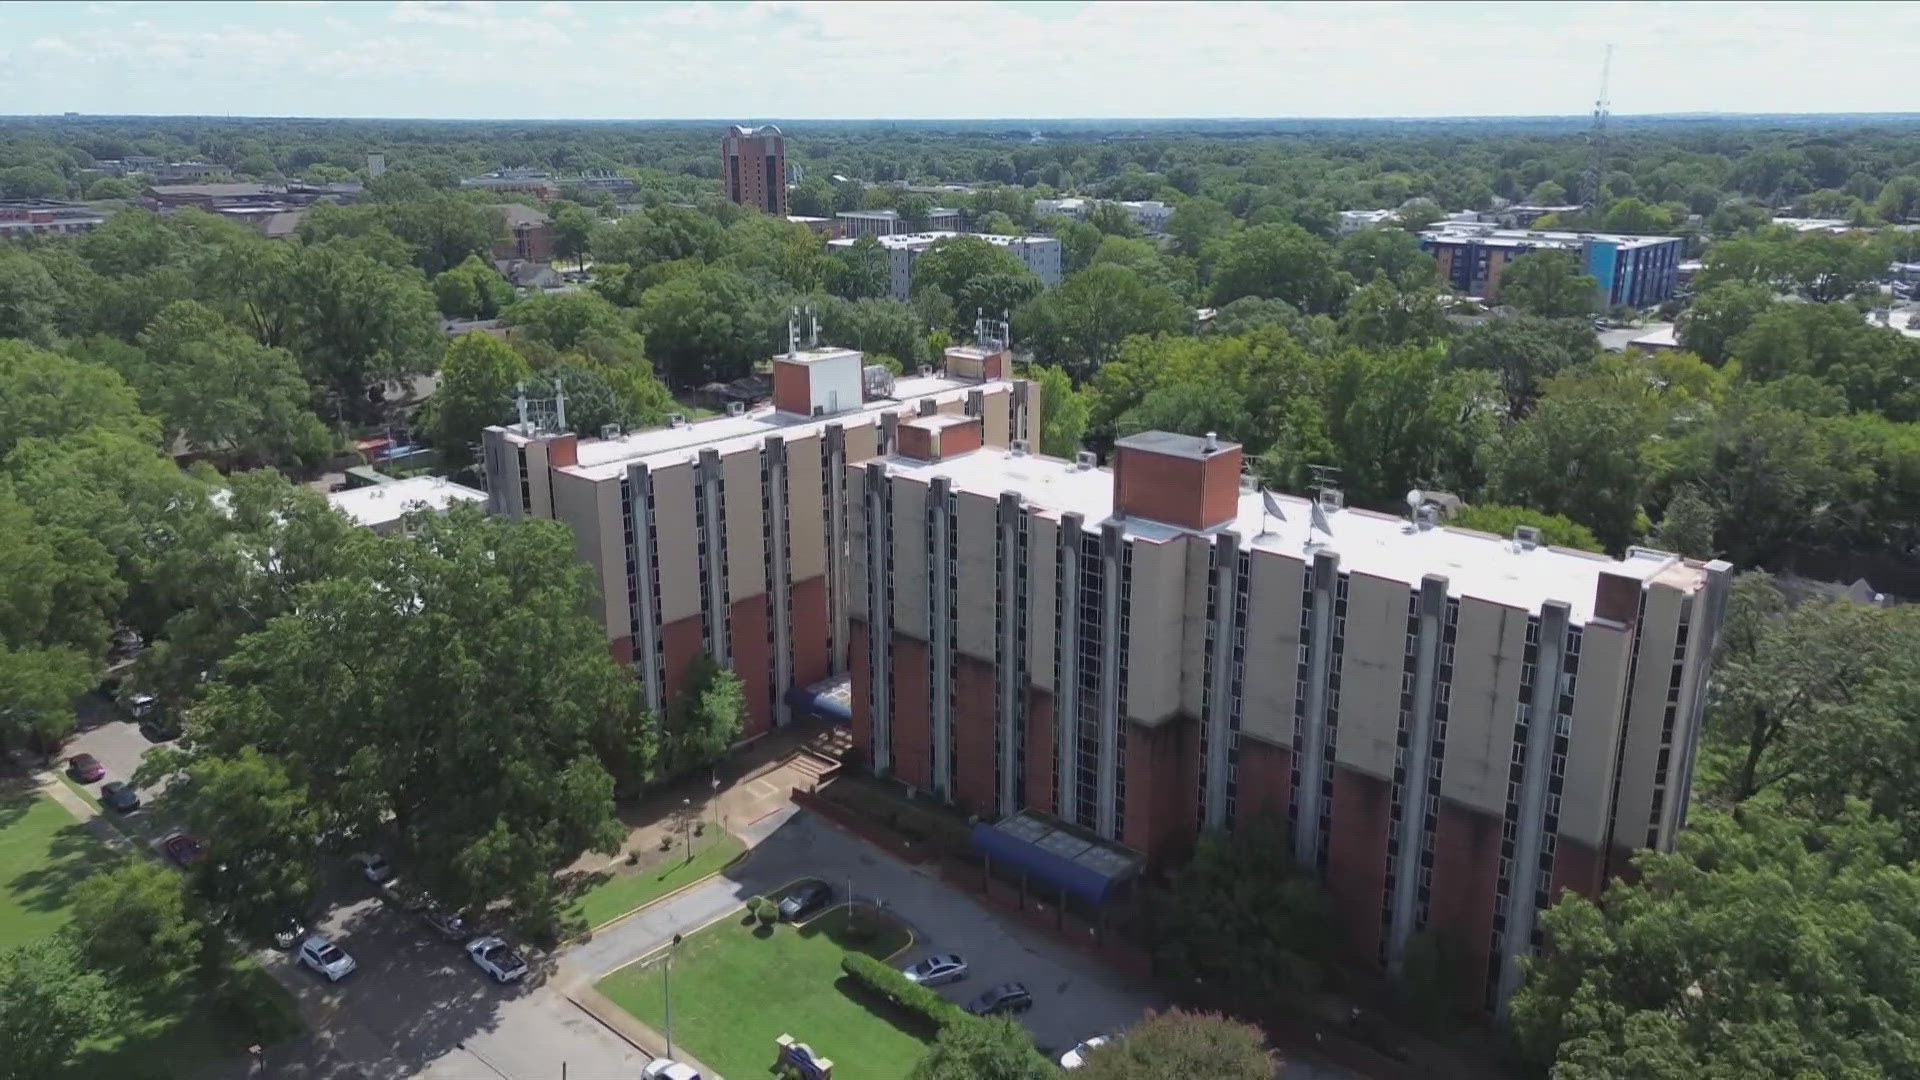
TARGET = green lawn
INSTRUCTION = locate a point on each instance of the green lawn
(628, 889)
(44, 853)
(735, 991)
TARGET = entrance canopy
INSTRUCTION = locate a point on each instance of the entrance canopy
(1054, 853)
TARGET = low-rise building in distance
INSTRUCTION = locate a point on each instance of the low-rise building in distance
(1041, 254)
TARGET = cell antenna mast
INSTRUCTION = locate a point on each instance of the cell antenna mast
(1597, 139)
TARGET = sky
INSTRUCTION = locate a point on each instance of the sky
(776, 59)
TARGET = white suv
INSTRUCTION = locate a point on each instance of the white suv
(322, 955)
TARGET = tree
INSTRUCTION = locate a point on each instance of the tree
(1180, 1043)
(359, 323)
(1195, 222)
(988, 1048)
(711, 325)
(241, 402)
(1063, 412)
(472, 290)
(1112, 219)
(1500, 520)
(448, 690)
(976, 275)
(1578, 454)
(777, 252)
(706, 719)
(50, 1005)
(1763, 943)
(1720, 314)
(1078, 241)
(1366, 254)
(30, 301)
(1899, 199)
(1282, 261)
(859, 271)
(661, 234)
(573, 233)
(1080, 324)
(1688, 525)
(1633, 217)
(54, 621)
(877, 327)
(477, 381)
(1550, 284)
(51, 396)
(134, 921)
(1524, 352)
(111, 187)
(1380, 315)
(263, 839)
(1873, 366)
(1241, 919)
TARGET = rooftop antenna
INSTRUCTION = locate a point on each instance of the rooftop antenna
(1006, 330)
(559, 405)
(793, 331)
(980, 325)
(813, 338)
(520, 403)
(1597, 139)
(1269, 508)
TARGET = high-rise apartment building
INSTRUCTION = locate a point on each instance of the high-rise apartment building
(1454, 726)
(721, 536)
(753, 165)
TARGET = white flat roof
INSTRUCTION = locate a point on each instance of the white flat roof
(1475, 564)
(601, 459)
(382, 504)
(927, 239)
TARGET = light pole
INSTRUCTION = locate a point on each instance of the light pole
(666, 988)
(686, 824)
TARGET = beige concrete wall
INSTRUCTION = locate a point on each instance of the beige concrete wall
(956, 407)
(909, 556)
(746, 516)
(996, 425)
(855, 514)
(1647, 714)
(539, 481)
(592, 511)
(1273, 646)
(862, 441)
(806, 514)
(1193, 628)
(1155, 626)
(976, 548)
(1595, 734)
(1370, 675)
(1489, 644)
(1043, 539)
(678, 542)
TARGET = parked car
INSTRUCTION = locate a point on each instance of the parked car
(937, 970)
(288, 932)
(322, 955)
(1077, 1056)
(805, 899)
(158, 726)
(498, 959)
(374, 867)
(183, 849)
(669, 1069)
(85, 768)
(119, 795)
(403, 895)
(142, 706)
(448, 924)
(1010, 997)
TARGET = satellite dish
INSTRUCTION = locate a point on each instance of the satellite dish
(1415, 498)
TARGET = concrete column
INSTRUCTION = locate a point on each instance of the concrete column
(780, 596)
(879, 556)
(1528, 828)
(1009, 682)
(833, 459)
(1703, 640)
(1417, 766)
(1066, 688)
(1109, 720)
(646, 641)
(939, 633)
(1313, 741)
(1226, 587)
(713, 604)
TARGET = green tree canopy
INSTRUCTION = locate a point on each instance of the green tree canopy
(1550, 284)
(134, 921)
(51, 396)
(50, 1005)
(478, 377)
(1063, 412)
(1180, 1043)
(976, 275)
(224, 393)
(1501, 520)
(1523, 351)
(1080, 324)
(992, 1048)
(1282, 261)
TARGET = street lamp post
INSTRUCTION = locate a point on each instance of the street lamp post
(686, 824)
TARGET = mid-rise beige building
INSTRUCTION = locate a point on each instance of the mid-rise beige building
(720, 536)
(1454, 726)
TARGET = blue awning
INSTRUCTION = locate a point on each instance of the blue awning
(1038, 863)
(806, 702)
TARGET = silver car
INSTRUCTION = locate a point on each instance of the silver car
(322, 955)
(937, 970)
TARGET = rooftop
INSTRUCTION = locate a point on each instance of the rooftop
(927, 239)
(1167, 442)
(815, 356)
(1463, 232)
(938, 421)
(1475, 564)
(603, 459)
(383, 504)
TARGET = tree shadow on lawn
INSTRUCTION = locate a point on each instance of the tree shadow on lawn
(16, 798)
(860, 928)
(905, 1021)
(73, 855)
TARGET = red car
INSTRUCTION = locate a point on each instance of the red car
(184, 850)
(85, 768)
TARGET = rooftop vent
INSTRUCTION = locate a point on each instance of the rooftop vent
(1018, 448)
(609, 431)
(1331, 499)
(736, 408)
(676, 420)
(1084, 460)
(1425, 517)
(1249, 482)
(1212, 445)
(1525, 537)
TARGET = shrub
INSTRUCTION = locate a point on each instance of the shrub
(765, 910)
(882, 979)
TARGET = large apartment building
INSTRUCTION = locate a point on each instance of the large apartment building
(753, 165)
(1040, 254)
(1638, 271)
(722, 536)
(1454, 726)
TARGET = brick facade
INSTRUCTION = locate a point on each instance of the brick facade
(753, 661)
(1362, 814)
(975, 729)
